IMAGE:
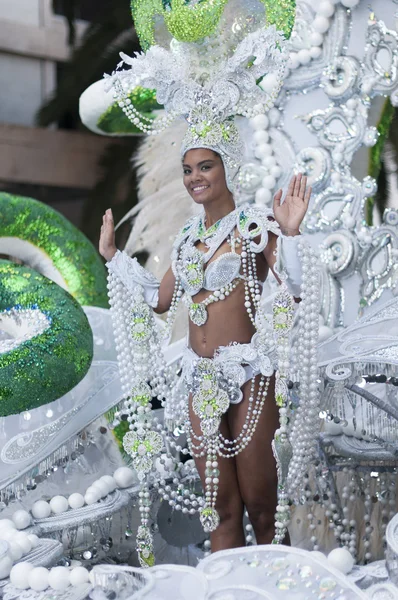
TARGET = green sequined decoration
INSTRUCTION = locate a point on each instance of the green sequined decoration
(49, 365)
(114, 121)
(192, 22)
(71, 253)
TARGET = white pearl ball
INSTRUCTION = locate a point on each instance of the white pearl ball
(76, 500)
(274, 116)
(38, 579)
(324, 333)
(268, 182)
(7, 524)
(19, 575)
(341, 559)
(258, 122)
(90, 498)
(41, 509)
(110, 481)
(22, 539)
(276, 171)
(261, 136)
(349, 3)
(269, 83)
(79, 575)
(263, 150)
(124, 477)
(7, 534)
(34, 540)
(59, 504)
(14, 550)
(304, 56)
(59, 578)
(102, 488)
(321, 24)
(5, 566)
(316, 39)
(22, 519)
(263, 196)
(326, 9)
(315, 52)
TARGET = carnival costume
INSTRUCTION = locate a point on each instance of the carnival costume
(209, 97)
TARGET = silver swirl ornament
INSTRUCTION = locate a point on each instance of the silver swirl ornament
(341, 78)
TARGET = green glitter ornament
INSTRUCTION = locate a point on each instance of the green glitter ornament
(58, 243)
(50, 364)
(157, 21)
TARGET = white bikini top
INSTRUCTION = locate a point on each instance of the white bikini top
(188, 262)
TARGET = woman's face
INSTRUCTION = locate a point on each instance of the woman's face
(204, 175)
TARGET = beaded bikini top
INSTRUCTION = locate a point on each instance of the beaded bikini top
(189, 262)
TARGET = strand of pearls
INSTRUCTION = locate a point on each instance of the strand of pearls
(252, 285)
(140, 121)
(171, 315)
(306, 422)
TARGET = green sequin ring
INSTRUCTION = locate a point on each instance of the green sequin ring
(114, 121)
(43, 368)
(57, 242)
(192, 21)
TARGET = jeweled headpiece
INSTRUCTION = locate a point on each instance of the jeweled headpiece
(211, 61)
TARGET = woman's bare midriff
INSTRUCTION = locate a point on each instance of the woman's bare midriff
(227, 320)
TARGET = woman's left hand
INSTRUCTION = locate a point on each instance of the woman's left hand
(290, 213)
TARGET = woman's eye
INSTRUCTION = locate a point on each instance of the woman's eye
(205, 167)
(186, 171)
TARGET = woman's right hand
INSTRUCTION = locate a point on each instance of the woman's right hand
(107, 246)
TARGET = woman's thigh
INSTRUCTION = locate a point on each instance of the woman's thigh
(255, 465)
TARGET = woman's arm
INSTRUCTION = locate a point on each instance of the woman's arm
(130, 272)
(289, 216)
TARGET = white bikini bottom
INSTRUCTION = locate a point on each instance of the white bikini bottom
(234, 365)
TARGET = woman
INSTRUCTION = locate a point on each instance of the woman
(232, 412)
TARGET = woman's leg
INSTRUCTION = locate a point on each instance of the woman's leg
(255, 465)
(229, 534)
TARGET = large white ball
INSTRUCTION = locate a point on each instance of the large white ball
(8, 534)
(304, 56)
(261, 136)
(7, 524)
(110, 481)
(41, 510)
(22, 519)
(258, 122)
(349, 3)
(315, 52)
(276, 171)
(14, 550)
(124, 477)
(59, 578)
(321, 24)
(269, 83)
(59, 504)
(263, 196)
(91, 498)
(79, 575)
(76, 500)
(6, 563)
(34, 540)
(316, 39)
(263, 150)
(269, 182)
(102, 488)
(326, 9)
(22, 539)
(324, 333)
(38, 579)
(341, 559)
(19, 575)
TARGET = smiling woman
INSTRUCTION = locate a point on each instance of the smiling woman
(236, 358)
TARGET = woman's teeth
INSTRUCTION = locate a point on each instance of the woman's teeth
(200, 188)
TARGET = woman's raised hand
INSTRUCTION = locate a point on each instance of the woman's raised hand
(291, 212)
(107, 246)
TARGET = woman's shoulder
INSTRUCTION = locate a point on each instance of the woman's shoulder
(185, 231)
